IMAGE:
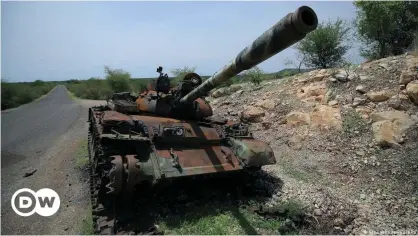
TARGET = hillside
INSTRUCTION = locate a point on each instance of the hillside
(345, 140)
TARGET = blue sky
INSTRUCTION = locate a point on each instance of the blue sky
(75, 40)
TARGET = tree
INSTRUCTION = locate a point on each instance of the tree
(179, 73)
(326, 46)
(118, 80)
(386, 27)
(255, 75)
(300, 59)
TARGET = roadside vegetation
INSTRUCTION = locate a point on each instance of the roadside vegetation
(16, 94)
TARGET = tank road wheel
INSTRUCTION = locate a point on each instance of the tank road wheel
(115, 184)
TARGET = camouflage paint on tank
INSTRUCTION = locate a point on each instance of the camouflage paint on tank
(289, 30)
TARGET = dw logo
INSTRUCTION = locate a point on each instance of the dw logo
(45, 202)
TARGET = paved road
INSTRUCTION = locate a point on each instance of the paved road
(27, 132)
(44, 136)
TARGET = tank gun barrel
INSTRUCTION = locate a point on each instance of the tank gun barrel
(289, 30)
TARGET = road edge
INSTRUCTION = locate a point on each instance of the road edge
(36, 100)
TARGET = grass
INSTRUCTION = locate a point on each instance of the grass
(81, 154)
(292, 171)
(86, 226)
(352, 121)
(204, 221)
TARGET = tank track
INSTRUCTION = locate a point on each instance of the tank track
(103, 211)
(104, 202)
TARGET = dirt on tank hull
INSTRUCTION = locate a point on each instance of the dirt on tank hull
(169, 133)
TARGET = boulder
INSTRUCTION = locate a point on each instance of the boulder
(388, 126)
(220, 92)
(235, 87)
(252, 114)
(297, 118)
(385, 134)
(314, 92)
(395, 103)
(333, 103)
(379, 96)
(358, 101)
(407, 76)
(266, 104)
(361, 89)
(412, 91)
(326, 117)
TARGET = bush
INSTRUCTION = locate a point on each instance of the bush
(16, 94)
(118, 80)
(255, 75)
(179, 73)
(96, 89)
(326, 46)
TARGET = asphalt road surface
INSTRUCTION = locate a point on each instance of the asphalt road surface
(43, 136)
(29, 131)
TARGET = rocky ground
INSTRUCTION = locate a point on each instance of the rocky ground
(345, 140)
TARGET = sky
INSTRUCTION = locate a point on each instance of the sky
(75, 40)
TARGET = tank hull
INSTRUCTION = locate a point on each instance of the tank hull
(128, 151)
(202, 147)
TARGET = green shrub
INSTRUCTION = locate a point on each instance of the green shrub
(118, 80)
(255, 75)
(16, 94)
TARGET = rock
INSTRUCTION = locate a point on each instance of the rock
(402, 87)
(360, 153)
(399, 116)
(395, 103)
(317, 77)
(327, 96)
(412, 91)
(239, 92)
(252, 114)
(384, 66)
(364, 77)
(358, 101)
(362, 196)
(348, 98)
(389, 126)
(266, 104)
(30, 173)
(361, 89)
(313, 92)
(342, 77)
(332, 79)
(379, 96)
(352, 76)
(317, 212)
(296, 118)
(338, 222)
(234, 88)
(220, 92)
(407, 76)
(326, 117)
(333, 103)
(365, 113)
(385, 134)
(266, 124)
(296, 142)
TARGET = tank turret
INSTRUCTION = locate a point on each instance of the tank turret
(288, 31)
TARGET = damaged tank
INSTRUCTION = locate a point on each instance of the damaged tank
(169, 132)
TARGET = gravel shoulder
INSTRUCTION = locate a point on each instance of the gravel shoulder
(44, 136)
